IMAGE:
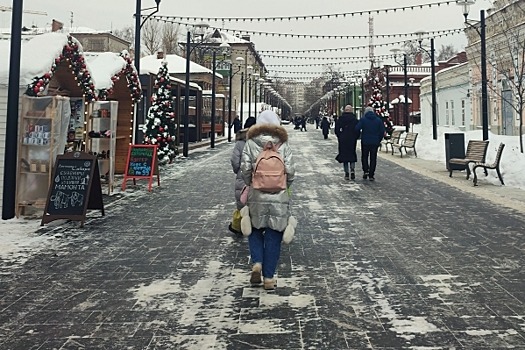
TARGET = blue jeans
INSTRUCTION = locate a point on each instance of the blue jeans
(352, 166)
(265, 249)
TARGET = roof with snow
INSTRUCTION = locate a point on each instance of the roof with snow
(176, 65)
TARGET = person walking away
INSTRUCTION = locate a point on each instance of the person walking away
(266, 219)
(345, 130)
(317, 121)
(236, 124)
(303, 123)
(325, 127)
(372, 132)
(240, 140)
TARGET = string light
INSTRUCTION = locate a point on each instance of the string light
(305, 17)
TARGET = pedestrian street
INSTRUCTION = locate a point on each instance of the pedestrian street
(405, 262)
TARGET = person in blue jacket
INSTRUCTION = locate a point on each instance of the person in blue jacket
(372, 132)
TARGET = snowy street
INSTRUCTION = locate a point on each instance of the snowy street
(406, 262)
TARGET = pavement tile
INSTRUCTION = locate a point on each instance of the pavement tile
(405, 262)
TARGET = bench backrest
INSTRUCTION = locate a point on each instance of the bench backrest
(396, 135)
(410, 139)
(477, 150)
(498, 155)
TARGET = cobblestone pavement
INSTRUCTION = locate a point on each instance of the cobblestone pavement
(405, 262)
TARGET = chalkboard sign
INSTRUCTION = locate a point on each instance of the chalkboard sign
(75, 187)
(141, 164)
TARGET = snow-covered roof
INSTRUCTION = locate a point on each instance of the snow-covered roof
(37, 56)
(400, 99)
(211, 38)
(103, 66)
(176, 65)
(208, 92)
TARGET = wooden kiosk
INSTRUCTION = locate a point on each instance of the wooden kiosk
(44, 119)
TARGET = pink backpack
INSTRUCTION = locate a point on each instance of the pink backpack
(269, 174)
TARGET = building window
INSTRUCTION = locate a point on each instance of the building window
(447, 114)
(463, 112)
(96, 45)
(452, 112)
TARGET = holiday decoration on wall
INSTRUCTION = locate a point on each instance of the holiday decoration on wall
(132, 78)
(159, 128)
(376, 84)
(72, 54)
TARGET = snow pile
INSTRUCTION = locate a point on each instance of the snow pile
(37, 56)
(18, 241)
(103, 67)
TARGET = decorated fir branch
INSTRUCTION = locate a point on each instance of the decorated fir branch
(73, 54)
(376, 99)
(132, 80)
(159, 128)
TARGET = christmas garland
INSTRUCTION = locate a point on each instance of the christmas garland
(131, 76)
(71, 52)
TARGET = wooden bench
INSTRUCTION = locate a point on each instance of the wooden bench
(394, 138)
(476, 152)
(486, 166)
(408, 142)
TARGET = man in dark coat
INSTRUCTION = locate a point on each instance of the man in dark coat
(325, 126)
(303, 123)
(372, 132)
(347, 138)
(236, 124)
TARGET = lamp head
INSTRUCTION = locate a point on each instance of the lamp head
(420, 34)
(225, 48)
(465, 5)
(200, 28)
(157, 2)
(239, 59)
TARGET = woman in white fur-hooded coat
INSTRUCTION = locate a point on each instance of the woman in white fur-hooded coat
(267, 209)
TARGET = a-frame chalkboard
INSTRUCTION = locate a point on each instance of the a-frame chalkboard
(75, 188)
(141, 164)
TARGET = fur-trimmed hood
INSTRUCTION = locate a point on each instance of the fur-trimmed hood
(241, 135)
(268, 129)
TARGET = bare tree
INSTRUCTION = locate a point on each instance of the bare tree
(446, 52)
(126, 33)
(152, 36)
(170, 34)
(506, 59)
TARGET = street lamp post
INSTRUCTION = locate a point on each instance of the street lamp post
(465, 4)
(433, 74)
(138, 27)
(224, 50)
(238, 59)
(412, 103)
(185, 146)
(255, 81)
(405, 75)
(13, 96)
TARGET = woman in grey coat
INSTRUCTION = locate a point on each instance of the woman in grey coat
(266, 219)
(240, 140)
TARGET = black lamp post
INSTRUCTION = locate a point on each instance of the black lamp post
(242, 96)
(250, 96)
(405, 75)
(255, 75)
(13, 96)
(138, 27)
(189, 49)
(223, 47)
(433, 74)
(481, 32)
(238, 59)
(387, 69)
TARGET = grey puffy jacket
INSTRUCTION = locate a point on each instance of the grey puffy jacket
(240, 139)
(267, 209)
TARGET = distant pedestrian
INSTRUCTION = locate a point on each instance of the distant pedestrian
(240, 140)
(372, 132)
(303, 123)
(236, 124)
(317, 122)
(267, 219)
(345, 130)
(325, 127)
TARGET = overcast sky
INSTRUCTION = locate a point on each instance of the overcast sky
(115, 14)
